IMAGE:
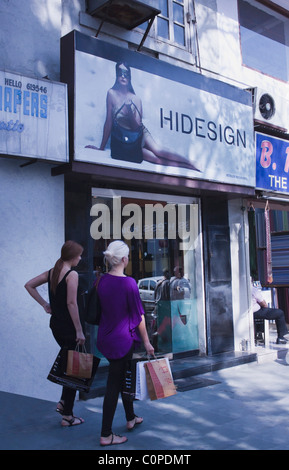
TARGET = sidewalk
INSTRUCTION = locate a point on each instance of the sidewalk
(240, 408)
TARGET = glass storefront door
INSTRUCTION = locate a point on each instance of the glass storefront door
(163, 233)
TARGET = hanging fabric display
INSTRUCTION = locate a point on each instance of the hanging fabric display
(269, 276)
(252, 242)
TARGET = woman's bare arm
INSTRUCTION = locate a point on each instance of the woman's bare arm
(31, 287)
(144, 336)
(72, 286)
(108, 121)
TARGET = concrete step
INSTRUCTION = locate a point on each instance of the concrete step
(182, 368)
(271, 354)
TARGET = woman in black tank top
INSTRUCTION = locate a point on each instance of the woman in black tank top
(65, 321)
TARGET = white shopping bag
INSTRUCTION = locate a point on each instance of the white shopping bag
(141, 389)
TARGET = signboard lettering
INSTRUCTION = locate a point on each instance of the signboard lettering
(31, 112)
(272, 163)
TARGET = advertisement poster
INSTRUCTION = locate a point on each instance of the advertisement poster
(272, 163)
(33, 118)
(189, 125)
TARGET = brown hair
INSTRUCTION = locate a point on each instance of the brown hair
(69, 251)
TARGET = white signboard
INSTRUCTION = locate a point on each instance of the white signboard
(33, 118)
(193, 126)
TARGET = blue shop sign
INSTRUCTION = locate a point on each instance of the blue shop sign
(272, 163)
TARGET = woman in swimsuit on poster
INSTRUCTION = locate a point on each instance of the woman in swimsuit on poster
(124, 105)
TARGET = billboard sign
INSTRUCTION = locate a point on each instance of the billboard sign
(136, 112)
(33, 118)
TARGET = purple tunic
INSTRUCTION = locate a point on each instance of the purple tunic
(121, 313)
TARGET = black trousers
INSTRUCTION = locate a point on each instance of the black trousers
(68, 394)
(276, 314)
(115, 380)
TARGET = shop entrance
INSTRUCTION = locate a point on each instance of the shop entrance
(163, 234)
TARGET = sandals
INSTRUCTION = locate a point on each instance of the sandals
(115, 439)
(71, 422)
(60, 407)
(134, 422)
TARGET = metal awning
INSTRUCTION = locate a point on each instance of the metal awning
(127, 14)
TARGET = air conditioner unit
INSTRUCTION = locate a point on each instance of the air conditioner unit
(270, 109)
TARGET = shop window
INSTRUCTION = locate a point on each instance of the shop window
(264, 37)
(165, 260)
(279, 226)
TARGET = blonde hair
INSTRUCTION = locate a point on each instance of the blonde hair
(115, 252)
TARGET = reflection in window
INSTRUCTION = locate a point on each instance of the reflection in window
(179, 33)
(178, 11)
(144, 285)
(171, 21)
(167, 269)
(163, 5)
(163, 28)
(171, 25)
(264, 39)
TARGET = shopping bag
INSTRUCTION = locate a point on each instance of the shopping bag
(141, 389)
(129, 384)
(58, 374)
(159, 379)
(79, 364)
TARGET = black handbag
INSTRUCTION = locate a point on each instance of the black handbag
(58, 374)
(92, 307)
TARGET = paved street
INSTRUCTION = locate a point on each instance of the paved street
(246, 410)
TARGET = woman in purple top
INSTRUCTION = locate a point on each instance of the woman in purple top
(122, 324)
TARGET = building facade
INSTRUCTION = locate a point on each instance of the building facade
(181, 204)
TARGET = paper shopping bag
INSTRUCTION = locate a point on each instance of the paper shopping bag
(79, 364)
(58, 375)
(159, 379)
